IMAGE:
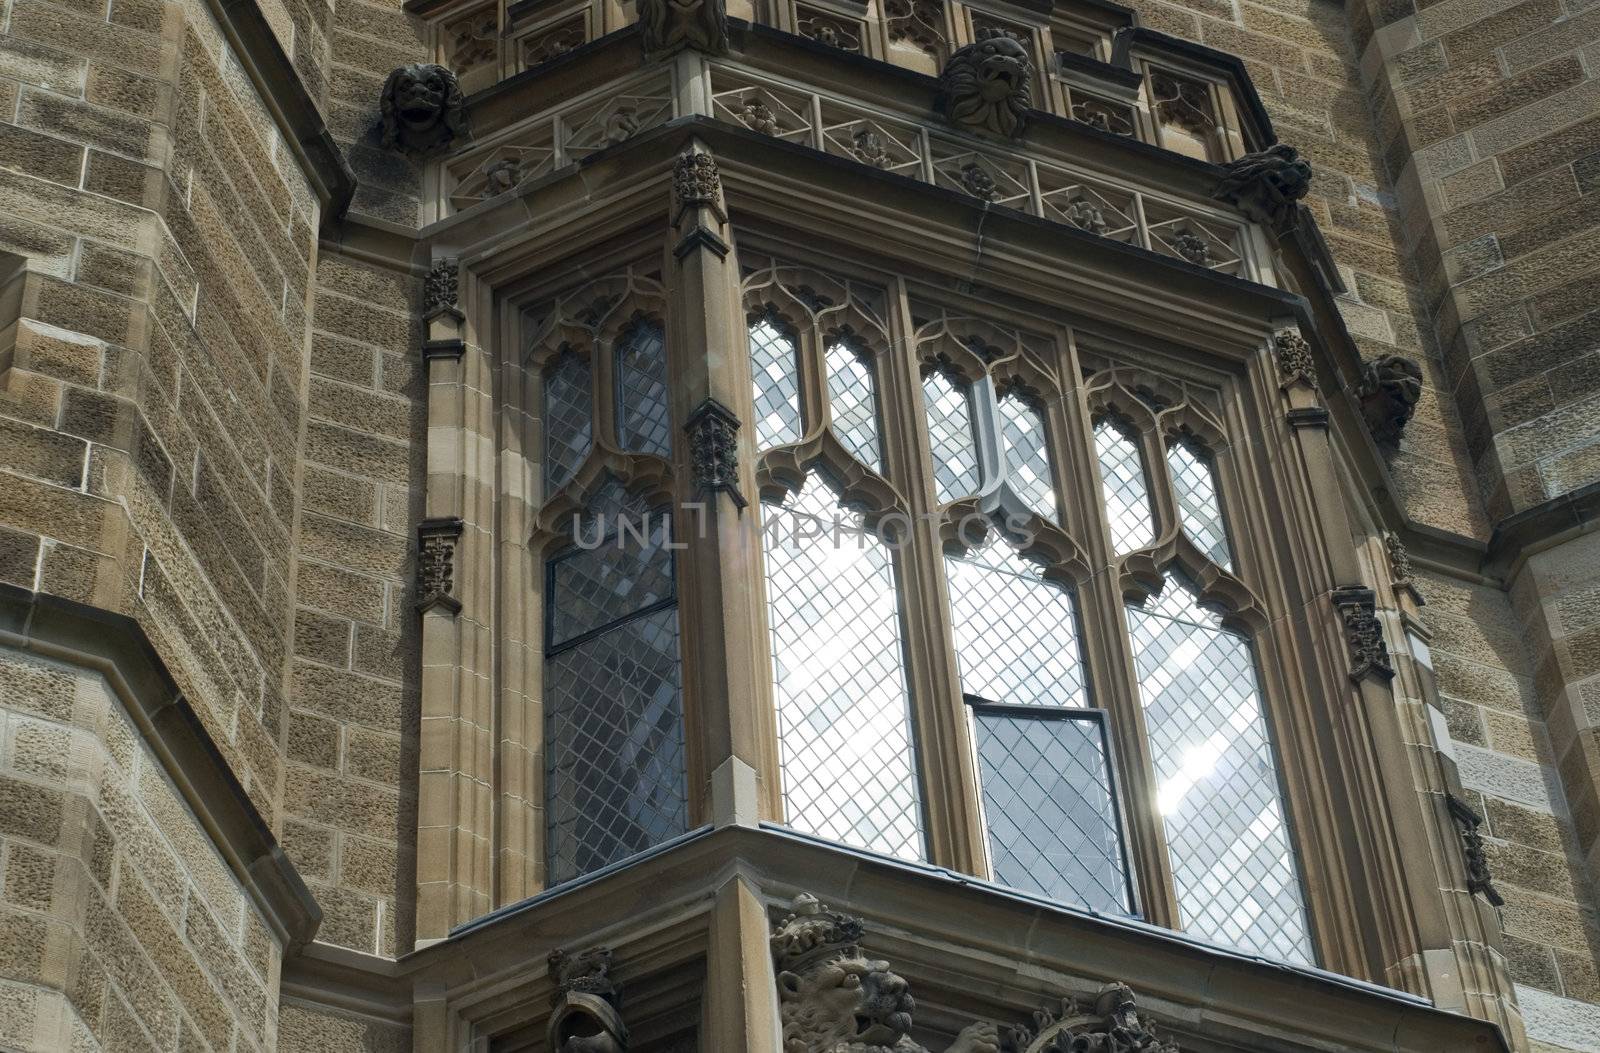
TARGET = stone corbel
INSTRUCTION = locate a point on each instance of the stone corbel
(436, 564)
(1369, 655)
(586, 1016)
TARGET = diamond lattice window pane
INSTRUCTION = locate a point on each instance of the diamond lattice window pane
(844, 720)
(614, 738)
(1047, 801)
(1027, 458)
(619, 565)
(567, 415)
(1123, 483)
(1196, 487)
(950, 437)
(1217, 783)
(853, 402)
(1016, 634)
(775, 370)
(642, 418)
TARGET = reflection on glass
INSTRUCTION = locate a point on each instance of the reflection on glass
(1217, 784)
(855, 408)
(1123, 483)
(950, 437)
(777, 384)
(844, 722)
(1196, 488)
(567, 413)
(642, 416)
(1027, 459)
(615, 781)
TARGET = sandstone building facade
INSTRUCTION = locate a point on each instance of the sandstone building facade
(804, 525)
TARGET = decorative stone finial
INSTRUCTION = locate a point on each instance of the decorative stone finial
(1267, 184)
(440, 291)
(422, 109)
(436, 564)
(1389, 390)
(667, 25)
(1112, 1024)
(988, 84)
(831, 998)
(585, 1018)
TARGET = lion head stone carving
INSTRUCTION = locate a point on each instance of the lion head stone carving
(670, 24)
(1388, 393)
(422, 109)
(988, 84)
(1265, 185)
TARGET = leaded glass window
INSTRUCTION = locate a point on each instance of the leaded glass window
(1196, 490)
(853, 401)
(1122, 482)
(950, 436)
(774, 368)
(1027, 458)
(1217, 782)
(567, 415)
(613, 710)
(1048, 799)
(844, 720)
(643, 424)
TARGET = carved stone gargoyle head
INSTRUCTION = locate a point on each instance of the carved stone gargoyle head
(667, 25)
(422, 109)
(1389, 390)
(834, 999)
(1267, 184)
(585, 1017)
(988, 84)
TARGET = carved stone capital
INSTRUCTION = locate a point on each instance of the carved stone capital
(1388, 393)
(1358, 609)
(1295, 365)
(988, 84)
(1267, 185)
(436, 564)
(586, 1017)
(441, 289)
(422, 110)
(668, 25)
(1479, 880)
(713, 432)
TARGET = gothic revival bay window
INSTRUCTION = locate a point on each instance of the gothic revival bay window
(1116, 738)
(615, 782)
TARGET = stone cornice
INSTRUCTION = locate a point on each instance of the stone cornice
(283, 94)
(115, 646)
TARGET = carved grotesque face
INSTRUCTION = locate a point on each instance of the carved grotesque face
(989, 84)
(422, 107)
(850, 1003)
(1003, 68)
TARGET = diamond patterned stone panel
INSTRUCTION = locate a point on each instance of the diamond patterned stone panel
(1196, 489)
(854, 403)
(614, 739)
(643, 421)
(619, 565)
(950, 436)
(1027, 458)
(1016, 634)
(568, 415)
(844, 718)
(1122, 482)
(773, 366)
(1047, 803)
(1217, 782)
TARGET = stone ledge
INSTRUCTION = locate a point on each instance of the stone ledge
(115, 646)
